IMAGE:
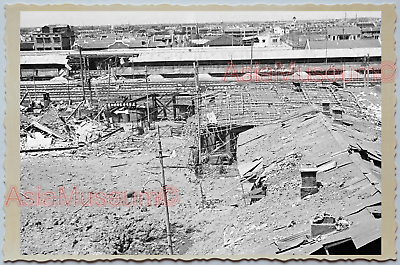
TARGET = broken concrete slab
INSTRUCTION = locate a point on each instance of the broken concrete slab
(38, 141)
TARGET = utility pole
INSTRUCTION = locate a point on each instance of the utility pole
(87, 76)
(251, 54)
(81, 66)
(160, 155)
(109, 83)
(69, 96)
(34, 84)
(196, 78)
(344, 77)
(133, 75)
(367, 70)
(147, 97)
(326, 44)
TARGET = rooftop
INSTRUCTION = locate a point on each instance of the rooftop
(349, 185)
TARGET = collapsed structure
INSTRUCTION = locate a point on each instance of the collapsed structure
(332, 167)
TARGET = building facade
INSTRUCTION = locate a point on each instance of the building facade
(54, 37)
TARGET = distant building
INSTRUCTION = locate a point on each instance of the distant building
(343, 44)
(54, 37)
(224, 40)
(279, 30)
(371, 33)
(26, 46)
(190, 29)
(344, 33)
(365, 24)
(242, 32)
(263, 40)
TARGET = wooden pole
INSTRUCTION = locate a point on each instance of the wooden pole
(198, 111)
(69, 96)
(160, 155)
(367, 70)
(147, 97)
(174, 106)
(251, 55)
(109, 83)
(34, 84)
(81, 66)
(133, 75)
(87, 74)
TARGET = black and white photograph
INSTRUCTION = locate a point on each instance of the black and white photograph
(200, 133)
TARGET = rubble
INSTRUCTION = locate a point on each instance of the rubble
(256, 198)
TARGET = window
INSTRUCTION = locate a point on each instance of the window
(56, 39)
(47, 40)
(274, 40)
(39, 40)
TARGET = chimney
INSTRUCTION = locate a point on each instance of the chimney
(326, 107)
(308, 180)
(337, 115)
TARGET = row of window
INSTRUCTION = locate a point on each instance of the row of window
(48, 40)
(48, 48)
(46, 35)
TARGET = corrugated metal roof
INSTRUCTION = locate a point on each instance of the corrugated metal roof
(315, 139)
(345, 44)
(44, 59)
(231, 52)
(366, 233)
(344, 30)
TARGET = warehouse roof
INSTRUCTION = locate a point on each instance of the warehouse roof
(345, 44)
(44, 59)
(229, 53)
(344, 31)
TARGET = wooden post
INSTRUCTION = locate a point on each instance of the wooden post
(173, 106)
(155, 106)
(34, 84)
(137, 122)
(81, 70)
(160, 155)
(147, 97)
(228, 141)
(109, 83)
(69, 96)
(133, 75)
(196, 78)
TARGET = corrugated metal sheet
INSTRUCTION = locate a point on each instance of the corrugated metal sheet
(292, 241)
(44, 59)
(345, 44)
(228, 53)
(365, 228)
(366, 233)
(319, 143)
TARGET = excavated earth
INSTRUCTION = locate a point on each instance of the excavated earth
(210, 217)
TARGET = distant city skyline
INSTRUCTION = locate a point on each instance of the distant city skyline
(97, 18)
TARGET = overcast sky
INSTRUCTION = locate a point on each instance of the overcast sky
(76, 18)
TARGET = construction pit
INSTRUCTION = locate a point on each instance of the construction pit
(250, 205)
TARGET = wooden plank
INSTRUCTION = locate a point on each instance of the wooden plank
(47, 130)
(74, 111)
(49, 149)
